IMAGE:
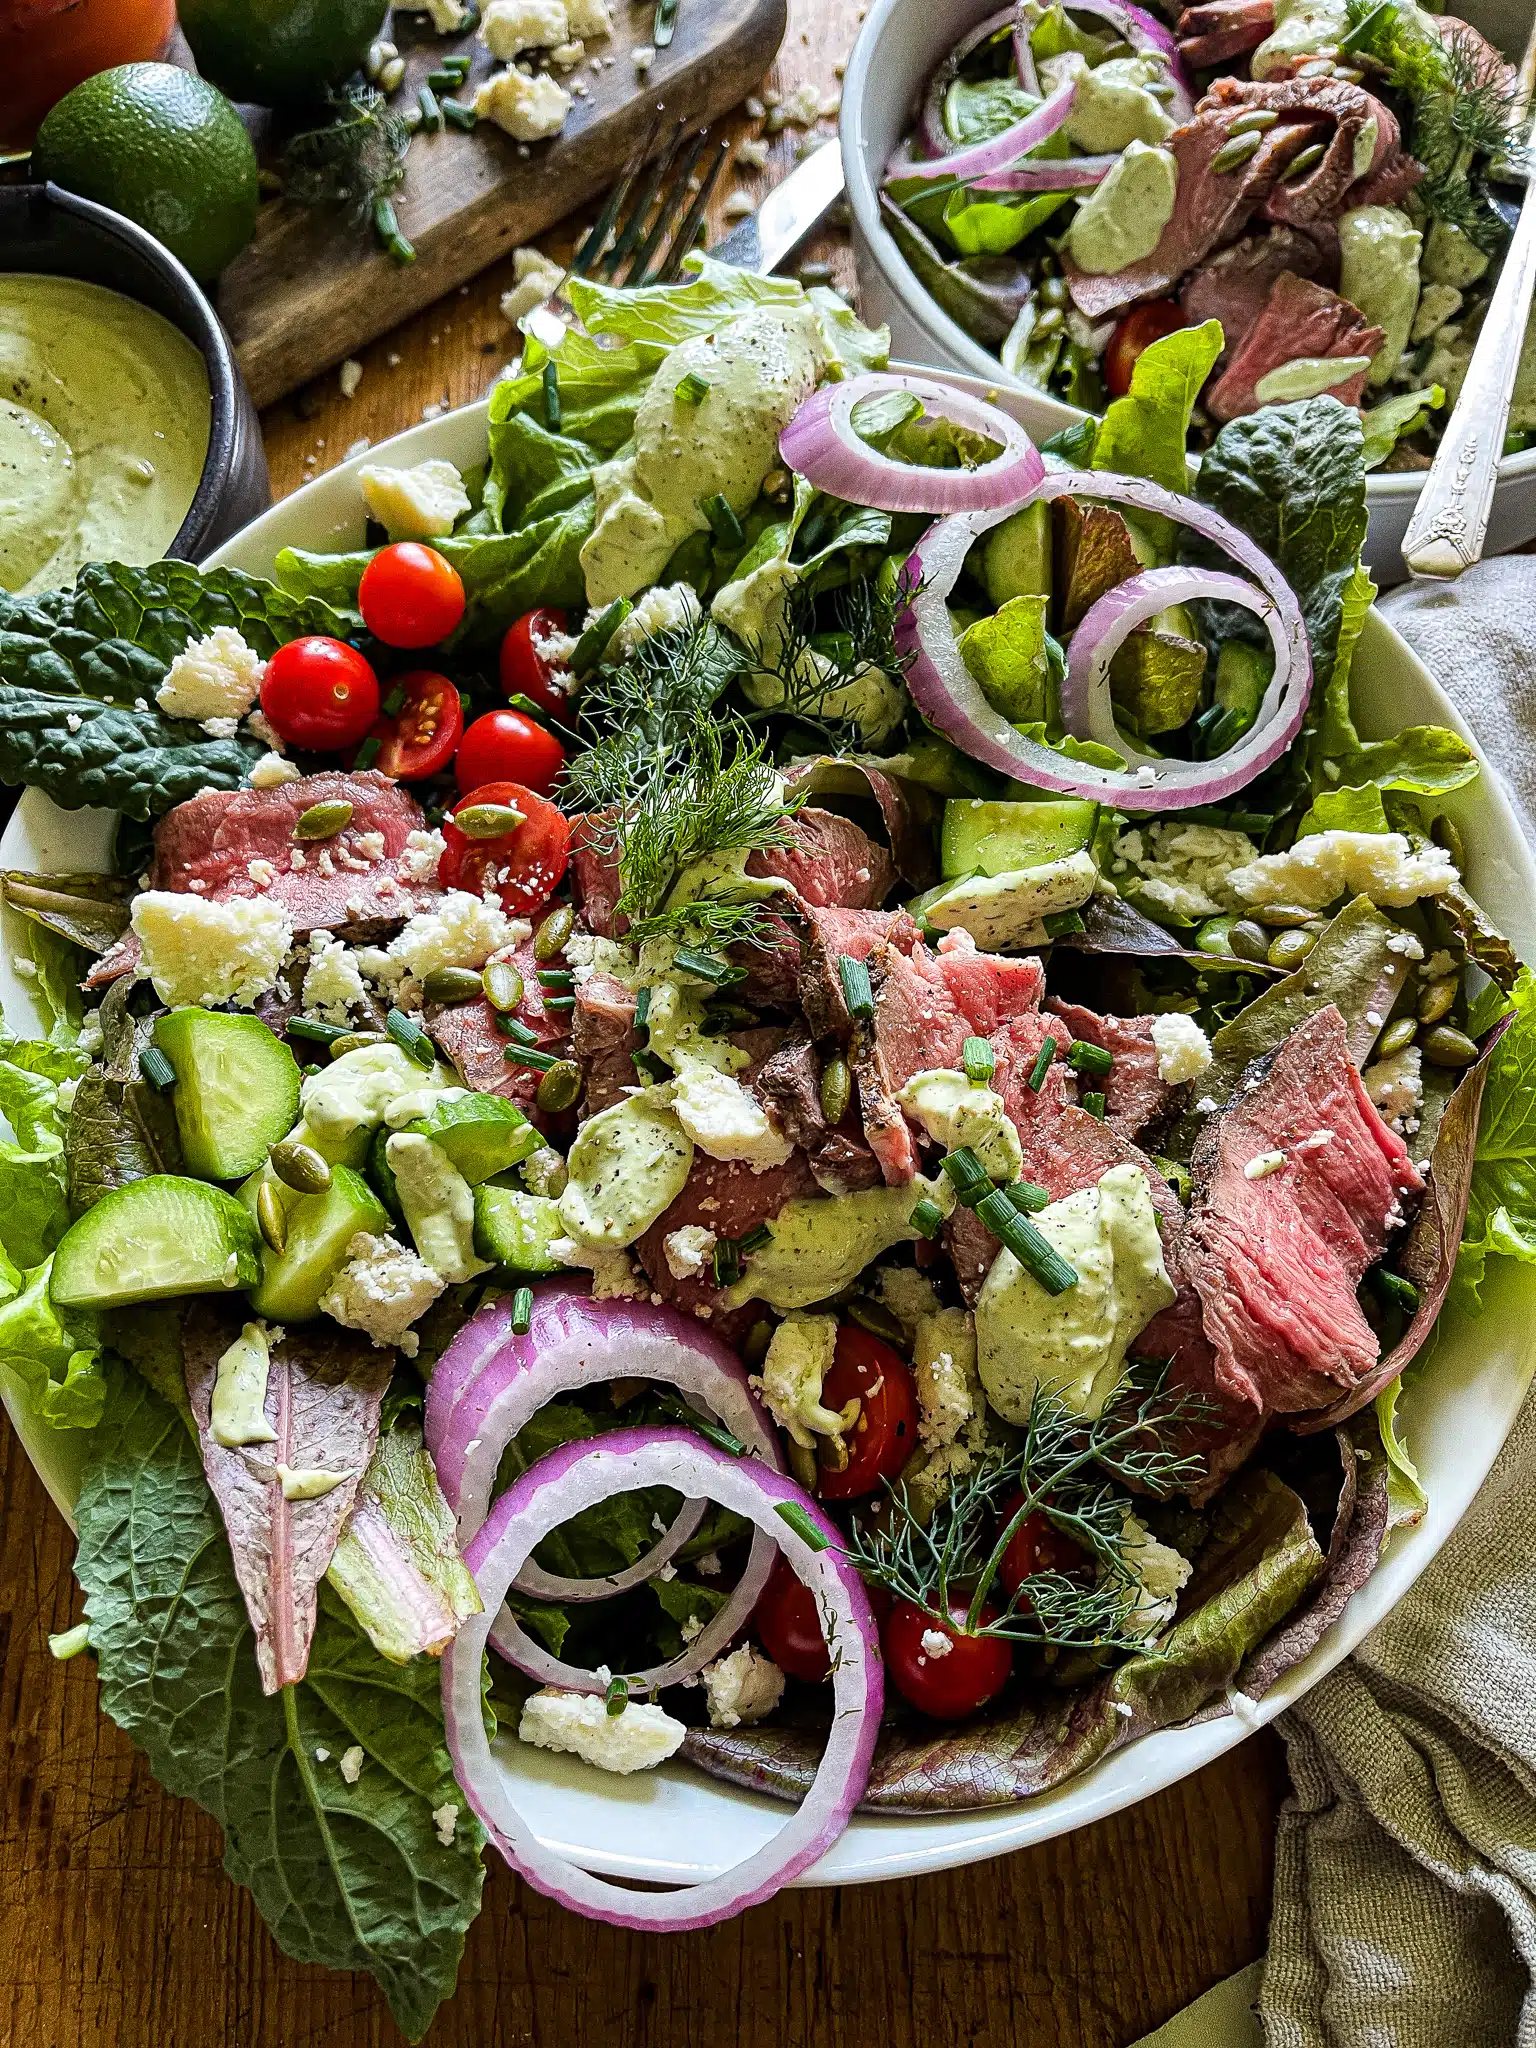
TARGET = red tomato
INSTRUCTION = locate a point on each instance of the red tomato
(1037, 1545)
(504, 746)
(789, 1627)
(420, 738)
(1138, 330)
(524, 866)
(885, 1435)
(973, 1670)
(410, 596)
(525, 671)
(320, 694)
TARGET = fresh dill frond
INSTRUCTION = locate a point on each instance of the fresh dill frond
(1059, 1470)
(638, 717)
(355, 159)
(724, 795)
(824, 643)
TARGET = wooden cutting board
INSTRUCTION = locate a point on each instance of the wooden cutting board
(312, 286)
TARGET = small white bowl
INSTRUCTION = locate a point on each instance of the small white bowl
(897, 49)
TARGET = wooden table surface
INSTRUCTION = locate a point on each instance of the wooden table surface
(118, 1928)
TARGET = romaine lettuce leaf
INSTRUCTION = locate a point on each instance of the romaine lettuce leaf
(1501, 1210)
(1345, 810)
(1385, 425)
(1146, 432)
(57, 1364)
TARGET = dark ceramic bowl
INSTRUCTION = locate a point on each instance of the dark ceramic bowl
(44, 229)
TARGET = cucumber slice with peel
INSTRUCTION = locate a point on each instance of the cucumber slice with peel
(319, 1229)
(158, 1237)
(236, 1093)
(517, 1230)
(481, 1134)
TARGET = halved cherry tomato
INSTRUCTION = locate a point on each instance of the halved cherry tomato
(320, 693)
(421, 736)
(524, 865)
(410, 596)
(527, 672)
(885, 1434)
(956, 1681)
(789, 1628)
(1037, 1545)
(1137, 331)
(504, 746)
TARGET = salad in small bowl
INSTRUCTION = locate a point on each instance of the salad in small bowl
(721, 1077)
(1323, 187)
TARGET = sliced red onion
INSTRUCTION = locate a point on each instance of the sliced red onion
(935, 134)
(578, 1476)
(491, 1381)
(1060, 174)
(821, 445)
(1087, 709)
(950, 698)
(998, 151)
(1024, 58)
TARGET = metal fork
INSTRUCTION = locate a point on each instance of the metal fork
(650, 220)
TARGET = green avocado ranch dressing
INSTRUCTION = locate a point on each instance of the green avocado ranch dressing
(104, 422)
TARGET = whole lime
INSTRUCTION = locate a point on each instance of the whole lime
(280, 53)
(163, 147)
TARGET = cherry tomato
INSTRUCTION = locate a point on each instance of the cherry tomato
(410, 596)
(524, 865)
(1037, 1545)
(504, 746)
(419, 739)
(320, 693)
(885, 1435)
(973, 1670)
(789, 1627)
(1138, 330)
(525, 671)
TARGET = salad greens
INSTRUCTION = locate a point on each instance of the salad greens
(1501, 1214)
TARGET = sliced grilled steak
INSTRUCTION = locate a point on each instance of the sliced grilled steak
(467, 1034)
(831, 862)
(1234, 286)
(1302, 321)
(1218, 30)
(831, 934)
(1136, 1097)
(727, 1197)
(603, 1038)
(1277, 1255)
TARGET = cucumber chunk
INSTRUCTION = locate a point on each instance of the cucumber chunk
(517, 1230)
(381, 1175)
(157, 1237)
(236, 1093)
(987, 838)
(481, 1134)
(320, 1227)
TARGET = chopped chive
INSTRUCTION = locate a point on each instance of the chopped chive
(706, 966)
(1060, 922)
(386, 226)
(1397, 1289)
(712, 1432)
(394, 703)
(367, 753)
(692, 389)
(522, 1311)
(555, 977)
(723, 523)
(1034, 1252)
(1027, 1197)
(431, 112)
(559, 1002)
(665, 24)
(156, 1068)
(458, 64)
(800, 1521)
(727, 1265)
(857, 993)
(650, 1066)
(1093, 1102)
(643, 1009)
(979, 1061)
(530, 1057)
(1083, 1057)
(553, 412)
(70, 1642)
(444, 80)
(514, 1027)
(594, 637)
(320, 1034)
(1042, 1066)
(411, 1039)
(616, 1697)
(927, 1219)
(461, 116)
(966, 1174)
(754, 1240)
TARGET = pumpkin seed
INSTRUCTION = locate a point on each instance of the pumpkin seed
(1215, 936)
(1288, 949)
(355, 1041)
(1304, 161)
(1444, 1046)
(300, 1167)
(836, 1089)
(759, 1337)
(551, 936)
(875, 1317)
(802, 1464)
(1258, 122)
(559, 1086)
(1438, 998)
(452, 985)
(1248, 941)
(487, 821)
(1446, 833)
(270, 1219)
(1234, 154)
(323, 821)
(1284, 916)
(502, 985)
(1396, 1038)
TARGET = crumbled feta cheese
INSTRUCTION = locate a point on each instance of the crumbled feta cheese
(528, 109)
(642, 56)
(349, 376)
(508, 27)
(752, 155)
(219, 728)
(1406, 944)
(423, 851)
(261, 872)
(351, 1765)
(459, 931)
(1207, 1105)
(445, 1819)
(725, 1120)
(537, 280)
(272, 771)
(588, 18)
(1161, 1572)
(66, 1097)
(565, 57)
(1396, 1086)
(420, 503)
(1315, 1141)
(333, 983)
(613, 1273)
(197, 952)
(1183, 1050)
(73, 721)
(1263, 1164)
(935, 1643)
(738, 205)
(1183, 869)
(1438, 965)
(636, 1740)
(798, 1359)
(688, 1250)
(219, 676)
(802, 109)
(661, 610)
(907, 1293)
(745, 1686)
(447, 16)
(382, 1289)
(1327, 865)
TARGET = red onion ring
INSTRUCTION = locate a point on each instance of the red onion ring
(1087, 709)
(998, 151)
(820, 444)
(935, 134)
(1063, 174)
(1144, 32)
(950, 698)
(577, 1476)
(483, 1393)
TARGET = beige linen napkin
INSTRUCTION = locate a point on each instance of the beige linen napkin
(1405, 1866)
